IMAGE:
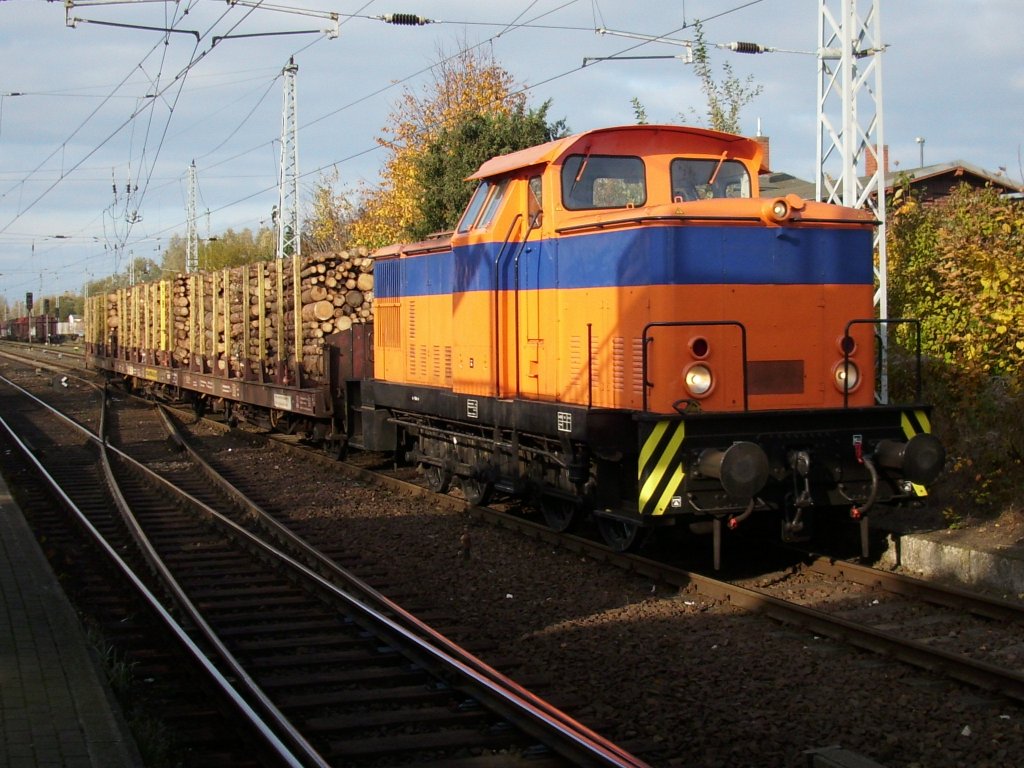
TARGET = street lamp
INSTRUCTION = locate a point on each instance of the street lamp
(920, 144)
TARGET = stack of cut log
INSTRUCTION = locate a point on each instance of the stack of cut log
(335, 292)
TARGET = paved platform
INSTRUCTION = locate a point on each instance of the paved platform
(55, 710)
(963, 556)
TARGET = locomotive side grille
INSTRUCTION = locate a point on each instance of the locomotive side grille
(575, 358)
(388, 278)
(619, 364)
(638, 366)
(388, 322)
(775, 377)
(448, 365)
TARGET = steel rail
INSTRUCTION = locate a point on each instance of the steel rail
(584, 746)
(198, 655)
(295, 740)
(950, 596)
(962, 668)
(270, 711)
(504, 693)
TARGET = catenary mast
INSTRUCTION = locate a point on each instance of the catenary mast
(288, 230)
(850, 128)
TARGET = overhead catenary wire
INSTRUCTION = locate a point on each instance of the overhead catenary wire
(145, 170)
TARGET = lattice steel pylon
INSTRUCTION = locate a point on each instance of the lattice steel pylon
(288, 231)
(850, 128)
(192, 233)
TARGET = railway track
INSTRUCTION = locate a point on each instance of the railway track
(953, 633)
(968, 636)
(330, 674)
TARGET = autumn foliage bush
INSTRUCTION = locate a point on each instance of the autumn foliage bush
(958, 265)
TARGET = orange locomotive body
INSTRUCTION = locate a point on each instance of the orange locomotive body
(621, 327)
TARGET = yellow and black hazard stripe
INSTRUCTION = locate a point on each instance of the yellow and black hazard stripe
(916, 422)
(660, 469)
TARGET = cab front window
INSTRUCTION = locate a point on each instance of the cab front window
(473, 209)
(603, 181)
(483, 205)
(701, 179)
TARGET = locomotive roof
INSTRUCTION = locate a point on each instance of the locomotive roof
(550, 151)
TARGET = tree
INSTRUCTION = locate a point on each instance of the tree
(329, 223)
(460, 149)
(466, 84)
(639, 112)
(229, 249)
(726, 98)
(957, 264)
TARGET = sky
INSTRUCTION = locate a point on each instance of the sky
(101, 117)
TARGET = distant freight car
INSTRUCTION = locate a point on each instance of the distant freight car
(42, 329)
(620, 328)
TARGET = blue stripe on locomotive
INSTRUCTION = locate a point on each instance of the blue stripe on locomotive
(645, 256)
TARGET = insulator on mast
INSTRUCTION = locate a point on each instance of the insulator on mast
(405, 19)
(746, 47)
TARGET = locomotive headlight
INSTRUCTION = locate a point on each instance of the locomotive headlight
(846, 376)
(698, 380)
(775, 211)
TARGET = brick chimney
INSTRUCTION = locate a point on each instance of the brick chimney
(871, 164)
(765, 143)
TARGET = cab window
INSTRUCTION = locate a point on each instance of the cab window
(535, 201)
(603, 181)
(475, 204)
(493, 203)
(701, 179)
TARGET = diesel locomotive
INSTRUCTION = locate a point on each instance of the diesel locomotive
(619, 328)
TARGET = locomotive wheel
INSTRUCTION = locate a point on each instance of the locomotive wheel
(476, 491)
(336, 449)
(438, 480)
(559, 514)
(619, 535)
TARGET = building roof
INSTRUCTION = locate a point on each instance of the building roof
(957, 168)
(956, 171)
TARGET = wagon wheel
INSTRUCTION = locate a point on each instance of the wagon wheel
(282, 421)
(438, 479)
(336, 449)
(476, 491)
(230, 417)
(559, 514)
(275, 417)
(620, 535)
